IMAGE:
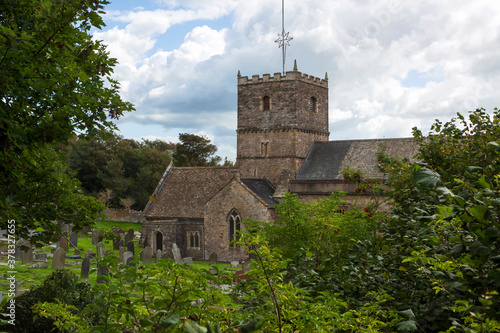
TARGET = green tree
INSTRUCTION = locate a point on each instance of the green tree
(195, 150)
(55, 83)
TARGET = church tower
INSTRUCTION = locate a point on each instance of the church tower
(279, 117)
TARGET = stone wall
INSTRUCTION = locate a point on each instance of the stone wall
(122, 215)
(234, 196)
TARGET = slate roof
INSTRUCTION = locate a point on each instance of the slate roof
(326, 159)
(263, 188)
(184, 191)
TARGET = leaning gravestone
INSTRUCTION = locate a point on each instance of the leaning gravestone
(147, 255)
(121, 252)
(27, 255)
(158, 255)
(130, 247)
(100, 250)
(188, 261)
(85, 270)
(131, 233)
(235, 264)
(59, 258)
(177, 254)
(126, 256)
(213, 258)
(73, 239)
(116, 242)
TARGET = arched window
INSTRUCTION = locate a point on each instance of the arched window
(159, 241)
(193, 239)
(312, 104)
(266, 105)
(234, 220)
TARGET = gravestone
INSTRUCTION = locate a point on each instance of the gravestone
(63, 242)
(121, 252)
(167, 255)
(85, 270)
(59, 259)
(126, 256)
(73, 239)
(147, 255)
(235, 264)
(213, 258)
(101, 270)
(131, 232)
(130, 263)
(27, 255)
(130, 247)
(100, 250)
(38, 265)
(121, 244)
(127, 239)
(188, 261)
(116, 243)
(158, 255)
(177, 254)
(95, 236)
(246, 266)
(17, 253)
(40, 256)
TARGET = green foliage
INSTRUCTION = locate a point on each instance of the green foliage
(125, 167)
(318, 227)
(61, 286)
(194, 150)
(55, 82)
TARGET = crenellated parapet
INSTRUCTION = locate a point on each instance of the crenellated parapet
(278, 77)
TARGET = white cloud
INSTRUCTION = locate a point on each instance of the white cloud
(367, 48)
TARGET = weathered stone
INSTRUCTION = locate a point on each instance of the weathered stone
(59, 259)
(116, 243)
(147, 255)
(126, 256)
(85, 270)
(40, 256)
(127, 238)
(131, 261)
(73, 256)
(73, 239)
(121, 244)
(213, 258)
(100, 249)
(188, 261)
(27, 255)
(130, 247)
(121, 252)
(95, 236)
(38, 265)
(63, 242)
(177, 254)
(158, 255)
(246, 266)
(235, 264)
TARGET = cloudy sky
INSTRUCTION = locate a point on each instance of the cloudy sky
(392, 65)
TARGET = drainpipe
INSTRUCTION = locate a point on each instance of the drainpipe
(203, 240)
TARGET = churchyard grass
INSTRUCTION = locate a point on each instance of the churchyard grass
(34, 277)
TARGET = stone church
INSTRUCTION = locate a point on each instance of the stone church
(282, 145)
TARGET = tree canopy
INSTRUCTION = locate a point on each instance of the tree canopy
(55, 83)
(195, 150)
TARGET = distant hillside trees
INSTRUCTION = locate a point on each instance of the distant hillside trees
(123, 173)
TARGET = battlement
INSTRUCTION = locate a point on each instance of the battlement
(278, 77)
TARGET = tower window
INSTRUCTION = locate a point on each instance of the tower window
(234, 220)
(264, 146)
(312, 104)
(266, 103)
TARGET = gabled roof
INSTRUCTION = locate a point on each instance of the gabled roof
(326, 160)
(262, 188)
(183, 192)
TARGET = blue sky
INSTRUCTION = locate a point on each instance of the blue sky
(391, 65)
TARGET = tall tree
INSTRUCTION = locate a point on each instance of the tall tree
(195, 150)
(55, 83)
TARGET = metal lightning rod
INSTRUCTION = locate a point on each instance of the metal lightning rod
(283, 39)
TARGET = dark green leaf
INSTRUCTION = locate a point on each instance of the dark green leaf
(252, 326)
(426, 178)
(406, 326)
(407, 314)
(172, 320)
